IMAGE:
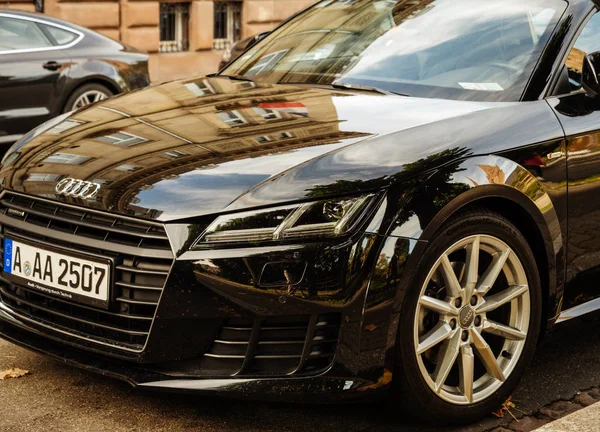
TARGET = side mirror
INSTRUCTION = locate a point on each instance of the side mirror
(589, 75)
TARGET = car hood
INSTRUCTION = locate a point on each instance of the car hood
(202, 146)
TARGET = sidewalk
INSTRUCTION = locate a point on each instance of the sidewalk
(584, 420)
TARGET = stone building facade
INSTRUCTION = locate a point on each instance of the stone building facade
(184, 38)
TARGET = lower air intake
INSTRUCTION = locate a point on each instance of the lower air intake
(273, 346)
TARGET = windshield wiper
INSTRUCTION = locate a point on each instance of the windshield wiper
(346, 86)
(231, 77)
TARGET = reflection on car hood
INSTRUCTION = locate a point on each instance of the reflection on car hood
(196, 147)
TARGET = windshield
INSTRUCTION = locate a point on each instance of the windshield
(451, 49)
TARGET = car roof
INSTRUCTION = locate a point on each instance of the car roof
(42, 17)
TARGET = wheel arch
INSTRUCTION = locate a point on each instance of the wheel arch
(97, 79)
(520, 197)
(414, 212)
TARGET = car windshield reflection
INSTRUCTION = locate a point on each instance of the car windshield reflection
(453, 49)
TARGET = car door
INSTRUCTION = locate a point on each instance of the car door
(580, 118)
(33, 70)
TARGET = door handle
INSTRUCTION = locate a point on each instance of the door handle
(52, 65)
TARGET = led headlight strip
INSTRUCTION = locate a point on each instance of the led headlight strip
(327, 218)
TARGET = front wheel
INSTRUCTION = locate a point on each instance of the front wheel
(470, 320)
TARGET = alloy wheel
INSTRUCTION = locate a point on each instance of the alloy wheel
(88, 98)
(472, 319)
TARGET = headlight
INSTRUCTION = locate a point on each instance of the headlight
(327, 218)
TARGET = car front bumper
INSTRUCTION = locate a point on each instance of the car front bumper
(323, 388)
(215, 327)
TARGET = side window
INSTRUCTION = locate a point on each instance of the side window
(18, 34)
(61, 36)
(587, 42)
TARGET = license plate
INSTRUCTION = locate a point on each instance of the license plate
(70, 277)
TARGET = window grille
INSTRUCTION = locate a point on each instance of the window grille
(228, 24)
(174, 27)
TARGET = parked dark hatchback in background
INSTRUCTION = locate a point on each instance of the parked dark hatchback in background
(48, 66)
(374, 197)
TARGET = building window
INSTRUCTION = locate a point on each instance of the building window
(245, 85)
(265, 62)
(228, 23)
(66, 158)
(201, 88)
(174, 27)
(41, 177)
(263, 139)
(128, 168)
(63, 127)
(175, 154)
(285, 135)
(122, 139)
(268, 114)
(232, 118)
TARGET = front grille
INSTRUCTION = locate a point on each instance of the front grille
(142, 258)
(273, 346)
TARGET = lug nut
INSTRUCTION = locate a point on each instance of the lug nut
(458, 302)
(477, 321)
(473, 300)
(452, 323)
(465, 335)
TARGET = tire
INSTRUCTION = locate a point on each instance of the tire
(90, 92)
(420, 368)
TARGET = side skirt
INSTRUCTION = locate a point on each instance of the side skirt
(579, 310)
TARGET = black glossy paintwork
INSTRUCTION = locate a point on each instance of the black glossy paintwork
(227, 175)
(580, 117)
(31, 94)
(425, 159)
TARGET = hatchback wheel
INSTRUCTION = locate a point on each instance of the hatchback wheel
(87, 95)
(470, 321)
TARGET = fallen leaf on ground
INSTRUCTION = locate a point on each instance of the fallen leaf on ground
(13, 373)
(506, 408)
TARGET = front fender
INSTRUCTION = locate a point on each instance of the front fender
(427, 202)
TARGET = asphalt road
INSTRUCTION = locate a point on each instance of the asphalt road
(57, 397)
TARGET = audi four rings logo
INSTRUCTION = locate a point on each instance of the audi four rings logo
(77, 188)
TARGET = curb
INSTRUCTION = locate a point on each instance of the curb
(584, 420)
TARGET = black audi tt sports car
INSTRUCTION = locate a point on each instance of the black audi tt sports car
(380, 198)
(49, 66)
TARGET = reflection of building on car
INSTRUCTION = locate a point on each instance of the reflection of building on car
(376, 199)
(48, 67)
